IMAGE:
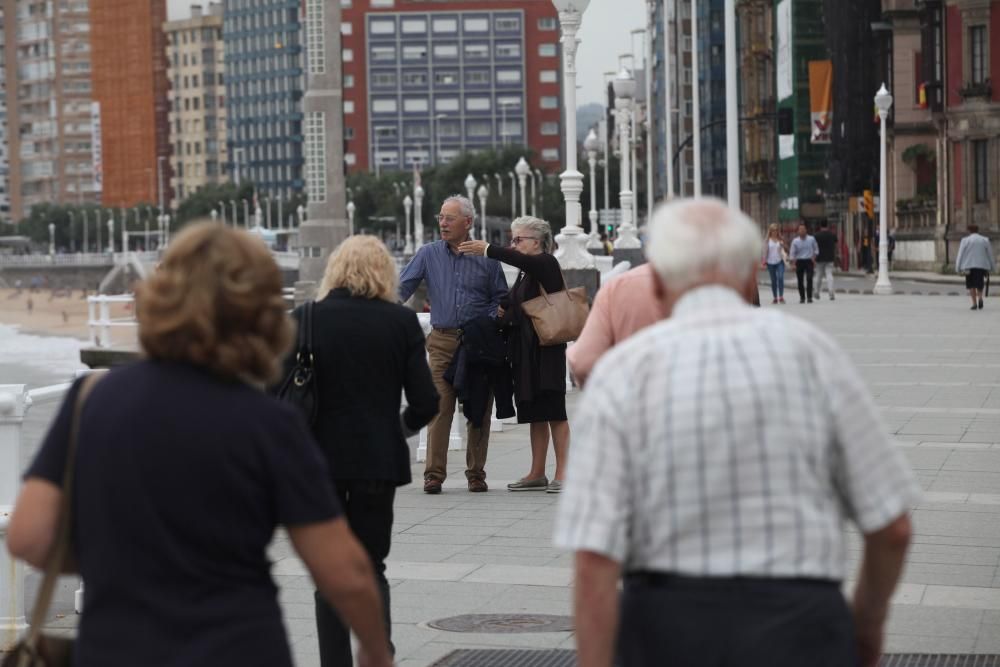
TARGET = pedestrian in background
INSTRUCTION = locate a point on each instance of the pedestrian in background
(539, 372)
(826, 257)
(803, 252)
(976, 260)
(774, 257)
(460, 288)
(369, 352)
(723, 516)
(183, 470)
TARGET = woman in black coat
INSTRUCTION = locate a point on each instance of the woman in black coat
(539, 372)
(369, 350)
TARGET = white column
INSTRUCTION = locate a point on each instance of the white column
(626, 230)
(14, 403)
(572, 252)
(634, 179)
(408, 221)
(483, 193)
(418, 218)
(732, 110)
(695, 99)
(668, 110)
(883, 100)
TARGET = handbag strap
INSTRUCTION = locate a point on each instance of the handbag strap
(63, 533)
(305, 351)
(562, 276)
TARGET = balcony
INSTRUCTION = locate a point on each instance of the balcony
(916, 214)
(971, 91)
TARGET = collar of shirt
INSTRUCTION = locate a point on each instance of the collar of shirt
(712, 299)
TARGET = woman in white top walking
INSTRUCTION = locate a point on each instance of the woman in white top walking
(774, 257)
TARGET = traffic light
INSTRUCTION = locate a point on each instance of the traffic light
(870, 204)
(610, 228)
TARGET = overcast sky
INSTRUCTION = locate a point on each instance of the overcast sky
(604, 35)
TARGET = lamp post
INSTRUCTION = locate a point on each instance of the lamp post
(111, 232)
(350, 215)
(236, 213)
(534, 193)
(281, 222)
(300, 214)
(52, 239)
(407, 207)
(624, 86)
(541, 190)
(222, 207)
(470, 189)
(513, 194)
(483, 193)
(883, 101)
(215, 215)
(522, 170)
(246, 214)
(499, 183)
(590, 144)
(86, 222)
(610, 76)
(72, 231)
(418, 218)
(572, 253)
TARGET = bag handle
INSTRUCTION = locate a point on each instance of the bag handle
(545, 295)
(305, 345)
(61, 548)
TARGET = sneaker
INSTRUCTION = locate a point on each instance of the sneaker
(525, 484)
(432, 485)
(555, 486)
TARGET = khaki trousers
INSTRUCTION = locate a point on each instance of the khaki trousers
(441, 346)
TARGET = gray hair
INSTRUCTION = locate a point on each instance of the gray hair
(464, 205)
(691, 239)
(538, 227)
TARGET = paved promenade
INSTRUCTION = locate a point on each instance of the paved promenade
(934, 368)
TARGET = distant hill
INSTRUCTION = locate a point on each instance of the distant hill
(587, 116)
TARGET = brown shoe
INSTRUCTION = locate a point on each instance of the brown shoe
(432, 485)
(478, 486)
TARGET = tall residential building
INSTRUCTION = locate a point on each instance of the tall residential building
(673, 20)
(197, 92)
(128, 52)
(425, 80)
(264, 89)
(710, 43)
(50, 134)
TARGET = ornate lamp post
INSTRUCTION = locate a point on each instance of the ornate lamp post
(215, 215)
(591, 144)
(483, 193)
(300, 214)
(513, 194)
(534, 193)
(111, 232)
(522, 170)
(470, 190)
(499, 183)
(624, 86)
(883, 101)
(222, 207)
(350, 215)
(541, 190)
(572, 253)
(407, 208)
(418, 218)
(52, 239)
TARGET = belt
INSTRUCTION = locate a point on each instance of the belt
(449, 331)
(648, 579)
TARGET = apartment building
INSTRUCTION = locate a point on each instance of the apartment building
(196, 56)
(673, 31)
(758, 166)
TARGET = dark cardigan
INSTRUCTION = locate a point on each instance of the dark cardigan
(536, 368)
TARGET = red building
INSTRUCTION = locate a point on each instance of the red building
(425, 81)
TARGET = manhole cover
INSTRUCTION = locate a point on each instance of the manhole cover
(508, 658)
(505, 623)
(938, 660)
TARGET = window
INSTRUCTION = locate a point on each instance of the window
(346, 28)
(550, 129)
(548, 76)
(446, 25)
(446, 104)
(348, 106)
(446, 78)
(413, 79)
(448, 129)
(477, 51)
(980, 171)
(348, 55)
(479, 77)
(445, 50)
(510, 128)
(383, 79)
(476, 24)
(549, 102)
(977, 54)
(348, 133)
(550, 154)
(415, 104)
(315, 155)
(477, 104)
(508, 76)
(382, 4)
(479, 128)
(547, 50)
(508, 24)
(414, 52)
(382, 27)
(350, 159)
(414, 26)
(548, 24)
(384, 106)
(346, 4)
(508, 50)
(348, 81)
(509, 102)
(383, 53)
(416, 131)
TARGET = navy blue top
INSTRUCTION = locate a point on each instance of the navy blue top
(460, 287)
(181, 478)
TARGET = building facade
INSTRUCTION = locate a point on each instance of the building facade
(425, 81)
(4, 152)
(196, 71)
(712, 85)
(672, 52)
(50, 116)
(129, 64)
(264, 51)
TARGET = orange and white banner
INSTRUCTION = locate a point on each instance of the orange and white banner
(821, 100)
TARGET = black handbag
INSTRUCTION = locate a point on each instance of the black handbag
(300, 386)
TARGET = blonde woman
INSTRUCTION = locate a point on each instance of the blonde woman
(369, 350)
(184, 469)
(774, 256)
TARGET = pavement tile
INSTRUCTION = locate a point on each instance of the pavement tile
(429, 571)
(521, 575)
(962, 596)
(927, 644)
(935, 621)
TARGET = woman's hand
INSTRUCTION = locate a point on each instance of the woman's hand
(476, 248)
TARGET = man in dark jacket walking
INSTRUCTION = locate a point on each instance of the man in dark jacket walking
(825, 260)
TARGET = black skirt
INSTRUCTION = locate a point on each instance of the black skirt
(547, 406)
(975, 279)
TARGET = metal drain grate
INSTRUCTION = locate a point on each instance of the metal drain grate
(504, 623)
(508, 658)
(938, 660)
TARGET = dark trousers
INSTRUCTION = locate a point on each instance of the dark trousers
(367, 506)
(804, 267)
(734, 622)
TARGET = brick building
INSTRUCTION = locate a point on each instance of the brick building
(426, 80)
(129, 70)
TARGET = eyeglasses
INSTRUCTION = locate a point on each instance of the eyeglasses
(449, 218)
(518, 239)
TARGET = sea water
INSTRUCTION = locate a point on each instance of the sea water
(37, 361)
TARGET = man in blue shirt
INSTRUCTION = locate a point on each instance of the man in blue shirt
(460, 288)
(803, 252)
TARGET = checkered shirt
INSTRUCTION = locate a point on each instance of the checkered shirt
(728, 441)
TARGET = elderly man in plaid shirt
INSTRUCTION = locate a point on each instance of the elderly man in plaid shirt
(718, 454)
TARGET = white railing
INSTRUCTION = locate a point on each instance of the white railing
(99, 320)
(75, 259)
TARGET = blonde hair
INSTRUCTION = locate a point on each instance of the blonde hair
(215, 301)
(363, 266)
(773, 227)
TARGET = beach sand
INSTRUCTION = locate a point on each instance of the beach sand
(57, 315)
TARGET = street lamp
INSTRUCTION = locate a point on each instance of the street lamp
(541, 190)
(72, 231)
(350, 215)
(624, 86)
(499, 183)
(222, 206)
(470, 188)
(407, 207)
(86, 221)
(418, 218)
(111, 232)
(513, 194)
(483, 193)
(300, 213)
(572, 253)
(883, 101)
(215, 215)
(591, 144)
(522, 170)
(52, 239)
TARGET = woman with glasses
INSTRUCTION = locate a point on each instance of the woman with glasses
(539, 372)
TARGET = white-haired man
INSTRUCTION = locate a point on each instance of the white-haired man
(717, 454)
(461, 288)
